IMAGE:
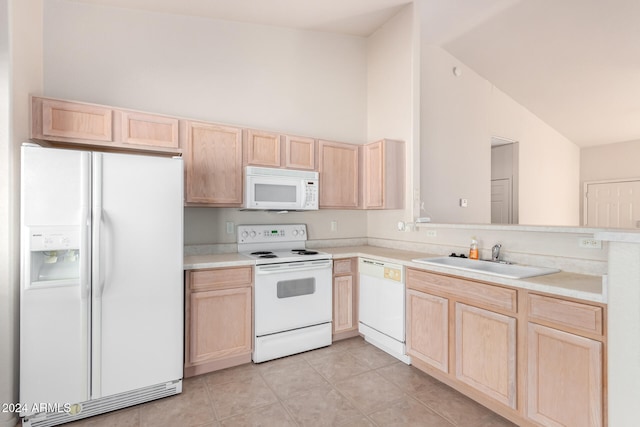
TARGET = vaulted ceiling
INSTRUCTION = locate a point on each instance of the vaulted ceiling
(573, 63)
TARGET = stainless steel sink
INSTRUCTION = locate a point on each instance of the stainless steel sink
(510, 271)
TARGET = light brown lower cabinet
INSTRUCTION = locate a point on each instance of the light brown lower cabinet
(218, 323)
(486, 352)
(564, 378)
(537, 360)
(345, 298)
(428, 329)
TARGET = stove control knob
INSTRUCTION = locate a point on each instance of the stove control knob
(302, 232)
(295, 232)
(252, 234)
(245, 234)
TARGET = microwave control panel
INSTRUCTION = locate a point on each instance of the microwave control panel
(311, 195)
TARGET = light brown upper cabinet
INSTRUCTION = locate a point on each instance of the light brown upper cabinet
(213, 164)
(148, 129)
(384, 175)
(339, 168)
(262, 148)
(274, 150)
(81, 123)
(300, 152)
(68, 121)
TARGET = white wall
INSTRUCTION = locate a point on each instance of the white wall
(301, 82)
(392, 96)
(611, 161)
(459, 116)
(549, 164)
(7, 285)
(455, 140)
(20, 74)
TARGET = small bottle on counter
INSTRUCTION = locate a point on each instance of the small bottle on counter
(473, 249)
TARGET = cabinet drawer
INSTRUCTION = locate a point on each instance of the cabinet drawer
(343, 266)
(493, 296)
(571, 314)
(219, 278)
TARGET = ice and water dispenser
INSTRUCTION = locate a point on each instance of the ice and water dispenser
(55, 256)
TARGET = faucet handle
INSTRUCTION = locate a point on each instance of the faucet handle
(495, 252)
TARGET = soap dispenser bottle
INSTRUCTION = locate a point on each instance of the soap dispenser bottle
(473, 249)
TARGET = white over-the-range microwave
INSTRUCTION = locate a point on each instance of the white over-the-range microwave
(280, 189)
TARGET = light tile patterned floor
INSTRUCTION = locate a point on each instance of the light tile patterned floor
(350, 383)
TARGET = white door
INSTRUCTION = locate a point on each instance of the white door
(54, 279)
(137, 272)
(501, 205)
(613, 204)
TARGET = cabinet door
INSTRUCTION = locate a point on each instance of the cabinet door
(300, 153)
(374, 172)
(262, 148)
(220, 324)
(62, 119)
(213, 164)
(564, 378)
(343, 304)
(428, 329)
(149, 129)
(338, 167)
(485, 352)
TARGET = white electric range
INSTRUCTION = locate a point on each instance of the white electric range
(292, 290)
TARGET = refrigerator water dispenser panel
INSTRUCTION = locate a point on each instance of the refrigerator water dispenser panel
(55, 254)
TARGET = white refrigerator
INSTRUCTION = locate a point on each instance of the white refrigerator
(101, 298)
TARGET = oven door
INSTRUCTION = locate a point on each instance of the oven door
(292, 295)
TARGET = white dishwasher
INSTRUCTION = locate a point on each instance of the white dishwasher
(382, 306)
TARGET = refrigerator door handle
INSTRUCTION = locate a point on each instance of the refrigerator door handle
(85, 228)
(98, 220)
(96, 278)
(85, 260)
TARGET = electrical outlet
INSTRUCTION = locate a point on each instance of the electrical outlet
(432, 233)
(229, 227)
(334, 225)
(464, 203)
(588, 243)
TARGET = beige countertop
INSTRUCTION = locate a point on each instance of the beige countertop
(573, 285)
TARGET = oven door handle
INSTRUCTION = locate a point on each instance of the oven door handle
(282, 268)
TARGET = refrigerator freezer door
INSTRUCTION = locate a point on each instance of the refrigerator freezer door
(137, 299)
(54, 277)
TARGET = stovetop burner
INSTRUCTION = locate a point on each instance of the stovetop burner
(262, 253)
(268, 256)
(304, 252)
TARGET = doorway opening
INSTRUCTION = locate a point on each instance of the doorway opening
(504, 181)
